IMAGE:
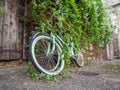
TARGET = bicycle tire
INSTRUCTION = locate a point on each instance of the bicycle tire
(79, 59)
(44, 68)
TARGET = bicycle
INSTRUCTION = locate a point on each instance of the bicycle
(46, 51)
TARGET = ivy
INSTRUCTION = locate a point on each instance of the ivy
(87, 21)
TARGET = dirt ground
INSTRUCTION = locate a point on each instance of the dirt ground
(101, 75)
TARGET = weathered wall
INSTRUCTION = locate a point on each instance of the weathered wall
(11, 30)
(112, 50)
(117, 32)
(12, 34)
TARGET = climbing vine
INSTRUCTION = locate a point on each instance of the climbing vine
(87, 21)
(84, 20)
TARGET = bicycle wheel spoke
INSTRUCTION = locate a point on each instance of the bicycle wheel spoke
(40, 52)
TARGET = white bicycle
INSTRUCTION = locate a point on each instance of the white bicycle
(46, 52)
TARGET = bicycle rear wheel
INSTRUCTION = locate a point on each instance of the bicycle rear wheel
(78, 58)
(44, 57)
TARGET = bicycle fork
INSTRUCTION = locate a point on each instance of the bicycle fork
(51, 46)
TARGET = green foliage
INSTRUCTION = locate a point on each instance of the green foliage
(86, 21)
(32, 72)
(55, 78)
(50, 77)
(35, 75)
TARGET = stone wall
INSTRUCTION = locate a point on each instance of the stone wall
(117, 31)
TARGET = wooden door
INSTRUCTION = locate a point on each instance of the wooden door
(11, 30)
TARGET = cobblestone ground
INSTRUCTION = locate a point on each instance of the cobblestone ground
(90, 77)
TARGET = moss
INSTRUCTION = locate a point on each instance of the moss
(112, 67)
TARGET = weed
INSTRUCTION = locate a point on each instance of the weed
(32, 72)
(111, 67)
(35, 75)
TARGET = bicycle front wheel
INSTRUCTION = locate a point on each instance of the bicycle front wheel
(44, 57)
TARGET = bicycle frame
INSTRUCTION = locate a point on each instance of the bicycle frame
(57, 39)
